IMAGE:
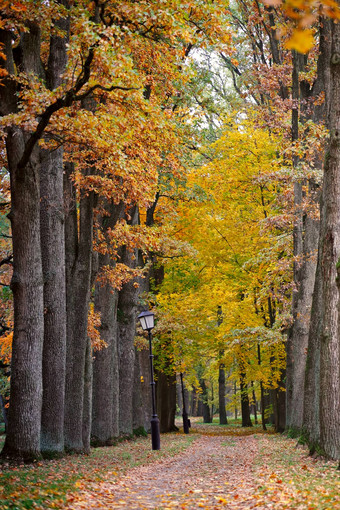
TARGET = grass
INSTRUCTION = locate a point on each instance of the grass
(50, 484)
(289, 476)
(232, 428)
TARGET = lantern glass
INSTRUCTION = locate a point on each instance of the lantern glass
(147, 320)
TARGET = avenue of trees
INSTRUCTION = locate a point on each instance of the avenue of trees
(182, 157)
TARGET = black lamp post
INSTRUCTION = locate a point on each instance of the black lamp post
(184, 414)
(147, 322)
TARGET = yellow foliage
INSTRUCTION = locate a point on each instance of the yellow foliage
(237, 262)
(302, 40)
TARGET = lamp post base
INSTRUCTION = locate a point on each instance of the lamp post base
(155, 434)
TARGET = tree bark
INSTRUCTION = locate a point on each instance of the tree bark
(78, 277)
(306, 233)
(330, 261)
(105, 406)
(127, 316)
(24, 416)
(245, 405)
(221, 396)
(207, 418)
(53, 263)
(23, 437)
(166, 401)
(52, 222)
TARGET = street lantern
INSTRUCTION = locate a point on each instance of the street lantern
(147, 322)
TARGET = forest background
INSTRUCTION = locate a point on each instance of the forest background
(174, 156)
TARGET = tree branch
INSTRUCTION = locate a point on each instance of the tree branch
(7, 260)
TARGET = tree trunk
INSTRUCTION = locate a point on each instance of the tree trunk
(245, 405)
(306, 233)
(53, 263)
(330, 262)
(311, 415)
(105, 405)
(87, 404)
(221, 396)
(144, 399)
(78, 277)
(254, 405)
(205, 405)
(127, 316)
(52, 220)
(166, 401)
(24, 417)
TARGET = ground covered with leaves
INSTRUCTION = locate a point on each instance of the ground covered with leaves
(212, 467)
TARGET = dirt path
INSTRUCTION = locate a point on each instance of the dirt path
(215, 472)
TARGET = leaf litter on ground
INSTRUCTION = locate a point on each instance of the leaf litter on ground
(212, 467)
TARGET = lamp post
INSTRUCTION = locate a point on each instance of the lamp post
(147, 322)
(184, 414)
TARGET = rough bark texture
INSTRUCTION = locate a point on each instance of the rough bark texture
(311, 415)
(127, 316)
(53, 260)
(311, 397)
(105, 405)
(23, 437)
(142, 409)
(330, 242)
(306, 233)
(78, 276)
(52, 220)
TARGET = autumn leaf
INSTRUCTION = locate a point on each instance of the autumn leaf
(301, 40)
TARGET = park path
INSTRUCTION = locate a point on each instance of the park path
(214, 472)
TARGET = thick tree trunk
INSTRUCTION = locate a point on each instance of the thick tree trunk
(24, 417)
(321, 416)
(142, 393)
(78, 276)
(245, 404)
(53, 261)
(52, 221)
(311, 397)
(105, 405)
(330, 261)
(166, 401)
(127, 316)
(306, 233)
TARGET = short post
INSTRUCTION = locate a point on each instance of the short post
(184, 413)
(147, 322)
